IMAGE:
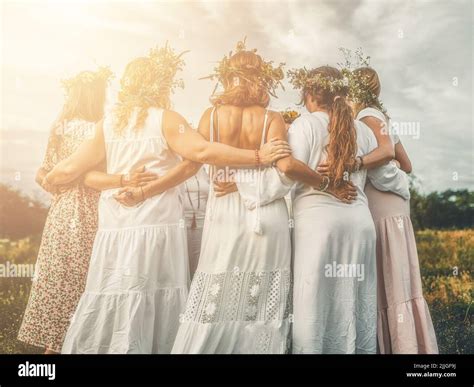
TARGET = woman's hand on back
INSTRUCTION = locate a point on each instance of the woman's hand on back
(130, 196)
(139, 177)
(224, 188)
(346, 192)
(273, 151)
(323, 169)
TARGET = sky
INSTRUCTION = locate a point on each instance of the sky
(422, 50)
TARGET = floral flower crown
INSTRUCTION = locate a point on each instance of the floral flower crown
(266, 75)
(164, 67)
(307, 79)
(87, 77)
(359, 91)
(289, 116)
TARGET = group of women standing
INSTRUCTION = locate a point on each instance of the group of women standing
(114, 270)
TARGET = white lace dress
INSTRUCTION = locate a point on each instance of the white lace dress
(335, 308)
(239, 300)
(138, 275)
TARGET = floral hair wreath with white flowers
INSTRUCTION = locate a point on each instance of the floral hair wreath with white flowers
(359, 91)
(308, 79)
(353, 83)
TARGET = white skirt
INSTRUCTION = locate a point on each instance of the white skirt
(136, 288)
(239, 300)
(334, 299)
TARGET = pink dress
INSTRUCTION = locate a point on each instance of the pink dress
(404, 323)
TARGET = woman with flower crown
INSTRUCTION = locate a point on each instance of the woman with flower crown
(138, 279)
(334, 242)
(68, 235)
(404, 323)
(240, 296)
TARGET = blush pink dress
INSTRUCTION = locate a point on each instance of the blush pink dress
(404, 323)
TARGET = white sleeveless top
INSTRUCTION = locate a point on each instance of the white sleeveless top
(131, 149)
(371, 112)
(265, 186)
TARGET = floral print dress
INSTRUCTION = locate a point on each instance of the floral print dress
(66, 245)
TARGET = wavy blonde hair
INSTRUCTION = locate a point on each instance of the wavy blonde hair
(85, 100)
(366, 90)
(147, 82)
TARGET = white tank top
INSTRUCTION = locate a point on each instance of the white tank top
(145, 146)
(371, 112)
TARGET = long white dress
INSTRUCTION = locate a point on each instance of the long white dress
(239, 300)
(334, 250)
(138, 277)
(196, 191)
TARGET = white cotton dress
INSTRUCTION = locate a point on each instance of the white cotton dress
(239, 301)
(138, 277)
(196, 191)
(335, 282)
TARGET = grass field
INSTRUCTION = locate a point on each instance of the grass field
(446, 259)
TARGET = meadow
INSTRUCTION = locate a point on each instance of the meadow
(446, 264)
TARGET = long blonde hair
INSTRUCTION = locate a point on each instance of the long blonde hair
(85, 100)
(147, 82)
(366, 90)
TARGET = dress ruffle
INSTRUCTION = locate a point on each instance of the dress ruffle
(136, 289)
(404, 323)
(126, 323)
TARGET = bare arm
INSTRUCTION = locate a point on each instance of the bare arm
(193, 146)
(291, 167)
(40, 174)
(180, 173)
(384, 151)
(89, 154)
(402, 157)
(99, 180)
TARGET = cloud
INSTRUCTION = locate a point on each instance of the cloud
(421, 49)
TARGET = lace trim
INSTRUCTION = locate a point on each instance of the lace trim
(239, 296)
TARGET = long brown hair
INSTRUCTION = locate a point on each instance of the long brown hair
(331, 95)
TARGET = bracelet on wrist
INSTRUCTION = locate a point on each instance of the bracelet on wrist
(143, 193)
(324, 184)
(358, 164)
(257, 157)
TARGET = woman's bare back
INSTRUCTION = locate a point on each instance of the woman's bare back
(241, 127)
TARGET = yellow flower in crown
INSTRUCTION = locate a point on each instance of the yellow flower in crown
(289, 116)
(103, 73)
(160, 74)
(266, 74)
